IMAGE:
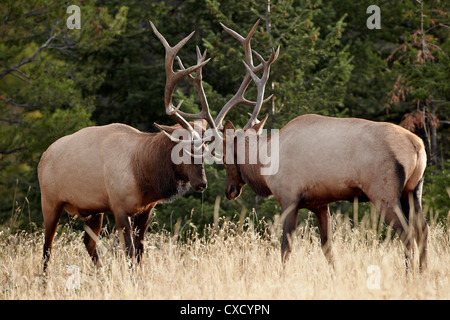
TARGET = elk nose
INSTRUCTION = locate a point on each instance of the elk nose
(231, 193)
(201, 187)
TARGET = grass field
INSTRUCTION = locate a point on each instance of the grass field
(230, 261)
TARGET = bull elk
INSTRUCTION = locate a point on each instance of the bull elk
(323, 160)
(120, 169)
(116, 168)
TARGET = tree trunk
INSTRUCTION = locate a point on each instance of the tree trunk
(434, 155)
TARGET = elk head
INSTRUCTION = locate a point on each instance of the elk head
(194, 142)
(193, 169)
(240, 145)
(236, 143)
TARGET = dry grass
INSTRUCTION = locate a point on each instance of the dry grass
(230, 262)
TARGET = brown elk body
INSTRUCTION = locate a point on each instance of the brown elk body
(323, 159)
(113, 168)
(320, 160)
(119, 169)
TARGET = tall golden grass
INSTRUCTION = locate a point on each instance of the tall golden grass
(231, 260)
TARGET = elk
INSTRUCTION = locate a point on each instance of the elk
(323, 160)
(119, 169)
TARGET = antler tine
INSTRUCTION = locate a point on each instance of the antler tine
(244, 41)
(260, 83)
(239, 98)
(200, 59)
(172, 77)
(197, 82)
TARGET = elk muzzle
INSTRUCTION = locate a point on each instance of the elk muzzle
(233, 192)
(200, 187)
(197, 178)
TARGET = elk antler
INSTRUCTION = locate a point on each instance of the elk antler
(173, 77)
(260, 83)
(197, 82)
(239, 98)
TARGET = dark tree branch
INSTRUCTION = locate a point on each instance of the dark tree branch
(10, 121)
(31, 13)
(6, 152)
(30, 59)
(14, 104)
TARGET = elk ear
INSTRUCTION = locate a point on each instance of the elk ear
(204, 124)
(228, 125)
(260, 125)
(168, 129)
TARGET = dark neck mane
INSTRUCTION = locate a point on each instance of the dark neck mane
(251, 175)
(155, 171)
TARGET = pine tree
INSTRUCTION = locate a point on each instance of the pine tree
(48, 81)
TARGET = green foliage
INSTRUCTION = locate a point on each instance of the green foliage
(112, 70)
(309, 76)
(436, 191)
(48, 81)
(311, 71)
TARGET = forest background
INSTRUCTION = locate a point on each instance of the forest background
(55, 81)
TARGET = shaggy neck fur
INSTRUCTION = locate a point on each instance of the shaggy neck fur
(155, 173)
(251, 173)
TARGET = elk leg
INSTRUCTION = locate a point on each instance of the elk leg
(324, 223)
(52, 214)
(94, 223)
(417, 221)
(393, 216)
(420, 226)
(290, 212)
(140, 226)
(124, 228)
